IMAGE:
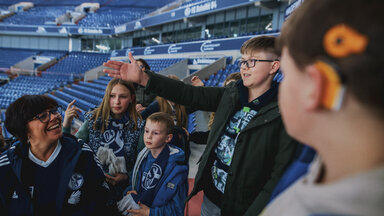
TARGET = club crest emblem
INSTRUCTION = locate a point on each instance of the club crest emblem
(76, 181)
(151, 178)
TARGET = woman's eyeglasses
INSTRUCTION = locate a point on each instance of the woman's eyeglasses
(45, 116)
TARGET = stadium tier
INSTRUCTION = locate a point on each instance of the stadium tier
(24, 85)
(77, 63)
(10, 57)
(112, 16)
(38, 15)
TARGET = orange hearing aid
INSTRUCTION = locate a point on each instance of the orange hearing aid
(333, 88)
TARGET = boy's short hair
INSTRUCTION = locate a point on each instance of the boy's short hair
(146, 65)
(165, 118)
(261, 43)
(303, 35)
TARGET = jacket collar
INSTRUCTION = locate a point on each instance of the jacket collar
(259, 102)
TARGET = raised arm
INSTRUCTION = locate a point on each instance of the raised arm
(128, 71)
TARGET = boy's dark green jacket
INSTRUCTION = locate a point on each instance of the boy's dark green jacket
(263, 149)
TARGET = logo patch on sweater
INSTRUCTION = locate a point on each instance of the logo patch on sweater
(76, 181)
(151, 178)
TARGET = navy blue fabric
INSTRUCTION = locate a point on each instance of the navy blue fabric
(152, 108)
(170, 198)
(149, 186)
(76, 158)
(298, 168)
(43, 183)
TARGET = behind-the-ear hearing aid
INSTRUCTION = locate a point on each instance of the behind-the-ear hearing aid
(332, 86)
(340, 41)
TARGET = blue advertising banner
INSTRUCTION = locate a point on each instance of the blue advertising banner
(181, 13)
(200, 46)
(76, 30)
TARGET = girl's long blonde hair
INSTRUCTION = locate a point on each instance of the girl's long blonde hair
(181, 113)
(104, 110)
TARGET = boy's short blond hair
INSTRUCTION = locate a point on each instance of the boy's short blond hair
(165, 118)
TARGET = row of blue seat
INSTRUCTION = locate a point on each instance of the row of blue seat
(23, 85)
(88, 90)
(77, 63)
(10, 57)
(84, 105)
(38, 15)
(104, 17)
(86, 97)
(64, 105)
(93, 85)
(113, 16)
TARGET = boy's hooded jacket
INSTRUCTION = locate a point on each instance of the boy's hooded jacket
(170, 198)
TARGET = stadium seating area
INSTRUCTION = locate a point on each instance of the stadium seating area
(24, 85)
(10, 57)
(112, 16)
(160, 64)
(87, 95)
(56, 54)
(219, 78)
(78, 2)
(77, 63)
(37, 15)
(3, 76)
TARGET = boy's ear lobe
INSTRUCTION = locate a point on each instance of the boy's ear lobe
(169, 138)
(313, 88)
(275, 67)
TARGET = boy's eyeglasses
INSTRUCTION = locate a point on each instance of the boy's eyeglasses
(250, 63)
(45, 116)
(141, 66)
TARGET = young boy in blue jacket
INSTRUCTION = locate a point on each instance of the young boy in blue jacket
(159, 179)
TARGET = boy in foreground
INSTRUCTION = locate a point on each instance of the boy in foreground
(332, 98)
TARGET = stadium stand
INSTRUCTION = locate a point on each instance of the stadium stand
(160, 64)
(10, 57)
(77, 63)
(38, 15)
(24, 85)
(112, 16)
(56, 54)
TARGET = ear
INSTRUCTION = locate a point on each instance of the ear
(169, 138)
(332, 89)
(275, 67)
(313, 88)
